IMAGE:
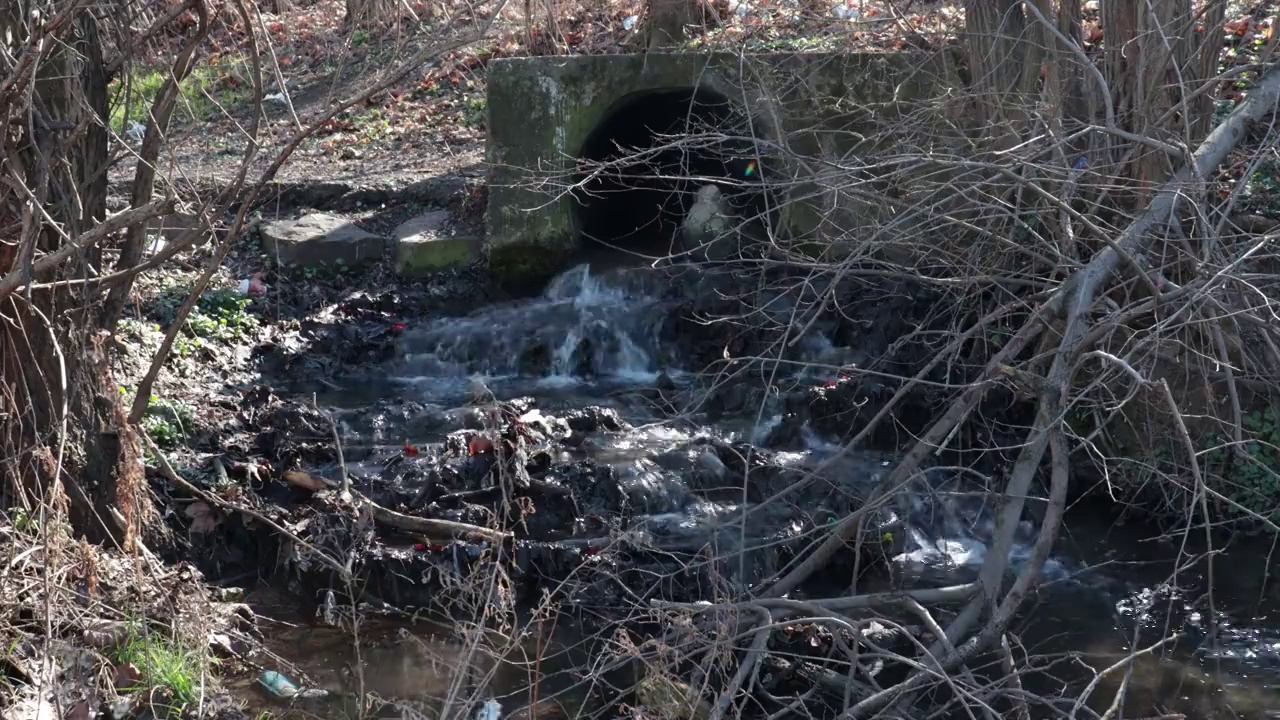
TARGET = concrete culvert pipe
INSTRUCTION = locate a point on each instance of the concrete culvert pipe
(648, 160)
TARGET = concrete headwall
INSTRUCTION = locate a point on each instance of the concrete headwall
(542, 109)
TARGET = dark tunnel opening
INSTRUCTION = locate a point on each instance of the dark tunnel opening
(642, 164)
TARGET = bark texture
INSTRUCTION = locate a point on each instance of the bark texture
(64, 439)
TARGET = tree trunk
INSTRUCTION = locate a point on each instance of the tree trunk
(995, 37)
(64, 437)
(665, 22)
(1146, 44)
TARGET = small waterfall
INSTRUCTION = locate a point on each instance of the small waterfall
(584, 326)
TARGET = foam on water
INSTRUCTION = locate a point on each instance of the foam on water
(583, 326)
(589, 331)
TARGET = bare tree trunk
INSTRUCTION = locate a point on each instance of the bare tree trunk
(664, 23)
(995, 36)
(1147, 47)
(1208, 54)
(65, 426)
(1075, 100)
(1153, 59)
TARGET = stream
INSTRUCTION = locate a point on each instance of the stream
(599, 349)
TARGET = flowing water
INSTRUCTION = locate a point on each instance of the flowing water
(601, 339)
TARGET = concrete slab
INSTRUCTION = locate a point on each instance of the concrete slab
(427, 243)
(321, 239)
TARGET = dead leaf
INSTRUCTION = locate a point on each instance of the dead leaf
(220, 643)
(479, 445)
(203, 518)
(1238, 27)
(305, 480)
(127, 676)
(103, 634)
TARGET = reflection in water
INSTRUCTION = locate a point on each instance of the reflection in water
(1205, 650)
(424, 669)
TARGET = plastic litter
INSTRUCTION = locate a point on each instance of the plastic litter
(253, 285)
(491, 710)
(277, 684)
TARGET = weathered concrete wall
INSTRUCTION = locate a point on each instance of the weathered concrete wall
(541, 111)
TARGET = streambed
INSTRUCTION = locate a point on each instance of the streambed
(637, 476)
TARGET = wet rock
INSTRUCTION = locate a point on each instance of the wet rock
(787, 435)
(732, 398)
(582, 359)
(362, 305)
(319, 239)
(842, 408)
(554, 509)
(468, 418)
(546, 561)
(534, 361)
(710, 462)
(651, 490)
(596, 488)
(544, 427)
(664, 383)
(594, 419)
(477, 469)
(392, 421)
(539, 462)
(428, 243)
(467, 513)
(410, 482)
(698, 465)
(292, 432)
(742, 461)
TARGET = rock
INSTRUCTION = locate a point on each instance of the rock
(319, 238)
(711, 463)
(594, 419)
(426, 243)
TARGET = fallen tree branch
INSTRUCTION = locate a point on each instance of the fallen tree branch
(182, 484)
(441, 530)
(1072, 301)
(114, 223)
(434, 529)
(758, 645)
(928, 596)
(845, 531)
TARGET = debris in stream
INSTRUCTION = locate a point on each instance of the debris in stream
(511, 485)
(277, 684)
(491, 710)
(282, 688)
